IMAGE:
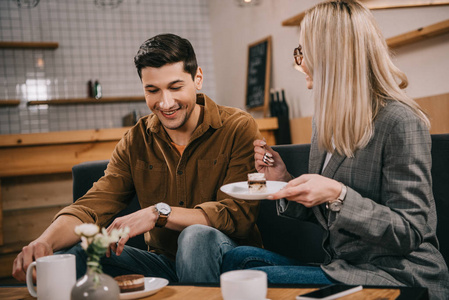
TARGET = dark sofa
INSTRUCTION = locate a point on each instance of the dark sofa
(293, 238)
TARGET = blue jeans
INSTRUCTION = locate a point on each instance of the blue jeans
(279, 269)
(198, 260)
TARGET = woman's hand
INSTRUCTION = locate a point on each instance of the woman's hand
(309, 190)
(273, 166)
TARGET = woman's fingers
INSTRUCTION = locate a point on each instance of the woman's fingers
(263, 152)
(267, 159)
(309, 190)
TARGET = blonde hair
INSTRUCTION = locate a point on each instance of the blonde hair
(353, 75)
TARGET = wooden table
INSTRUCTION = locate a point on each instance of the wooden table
(179, 292)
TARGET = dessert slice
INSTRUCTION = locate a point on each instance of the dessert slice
(257, 183)
(130, 283)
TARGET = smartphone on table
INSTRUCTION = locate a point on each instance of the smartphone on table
(329, 292)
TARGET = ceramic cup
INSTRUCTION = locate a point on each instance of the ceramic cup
(244, 285)
(55, 277)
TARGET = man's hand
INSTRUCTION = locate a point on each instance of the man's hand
(29, 253)
(59, 235)
(139, 222)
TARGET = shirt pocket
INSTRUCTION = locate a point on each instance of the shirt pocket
(212, 173)
(151, 181)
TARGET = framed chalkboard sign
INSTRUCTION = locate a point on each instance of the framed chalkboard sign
(259, 74)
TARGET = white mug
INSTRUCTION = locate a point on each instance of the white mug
(55, 277)
(244, 285)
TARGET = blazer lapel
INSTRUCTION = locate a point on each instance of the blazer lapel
(330, 170)
(333, 165)
(316, 161)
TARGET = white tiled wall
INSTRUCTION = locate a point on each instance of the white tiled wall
(95, 43)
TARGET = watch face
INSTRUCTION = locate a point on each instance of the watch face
(163, 208)
(335, 205)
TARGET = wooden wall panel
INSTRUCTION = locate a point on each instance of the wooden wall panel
(437, 108)
(6, 262)
(25, 225)
(28, 192)
(301, 130)
(29, 205)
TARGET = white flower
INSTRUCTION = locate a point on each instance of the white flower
(95, 243)
(87, 230)
(84, 242)
(114, 236)
(90, 234)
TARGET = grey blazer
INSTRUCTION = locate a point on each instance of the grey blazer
(385, 232)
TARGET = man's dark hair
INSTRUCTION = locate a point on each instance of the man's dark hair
(165, 49)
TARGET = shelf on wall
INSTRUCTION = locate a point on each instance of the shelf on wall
(410, 37)
(419, 34)
(29, 45)
(9, 102)
(387, 4)
(87, 100)
(376, 4)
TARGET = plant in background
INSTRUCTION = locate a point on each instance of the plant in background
(95, 243)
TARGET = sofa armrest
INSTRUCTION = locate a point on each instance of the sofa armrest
(85, 174)
(440, 180)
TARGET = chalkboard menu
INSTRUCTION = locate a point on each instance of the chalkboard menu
(259, 72)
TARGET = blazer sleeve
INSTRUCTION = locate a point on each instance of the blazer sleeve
(398, 219)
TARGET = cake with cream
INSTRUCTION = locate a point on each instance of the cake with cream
(130, 283)
(257, 183)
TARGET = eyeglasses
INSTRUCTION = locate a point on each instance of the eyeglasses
(297, 54)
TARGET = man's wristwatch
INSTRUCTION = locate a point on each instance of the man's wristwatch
(335, 205)
(164, 211)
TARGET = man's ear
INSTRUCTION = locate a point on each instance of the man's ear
(199, 79)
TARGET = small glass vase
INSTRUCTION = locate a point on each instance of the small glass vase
(95, 286)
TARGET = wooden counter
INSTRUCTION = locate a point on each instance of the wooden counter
(36, 179)
(58, 152)
(436, 108)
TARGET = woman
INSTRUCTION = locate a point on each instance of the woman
(369, 185)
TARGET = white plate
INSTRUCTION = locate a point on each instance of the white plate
(240, 190)
(152, 286)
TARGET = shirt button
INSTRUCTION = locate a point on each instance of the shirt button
(179, 172)
(181, 202)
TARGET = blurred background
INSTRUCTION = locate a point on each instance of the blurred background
(97, 40)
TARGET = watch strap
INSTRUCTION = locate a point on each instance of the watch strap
(162, 214)
(161, 220)
(335, 205)
(343, 192)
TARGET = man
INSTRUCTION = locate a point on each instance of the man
(175, 160)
